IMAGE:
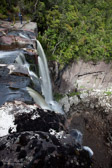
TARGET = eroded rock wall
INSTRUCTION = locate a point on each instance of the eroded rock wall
(86, 76)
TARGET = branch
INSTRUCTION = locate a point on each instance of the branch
(36, 4)
(56, 47)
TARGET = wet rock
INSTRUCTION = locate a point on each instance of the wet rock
(13, 87)
(17, 69)
(28, 34)
(10, 39)
(8, 57)
(14, 46)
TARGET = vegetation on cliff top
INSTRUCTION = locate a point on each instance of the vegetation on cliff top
(69, 29)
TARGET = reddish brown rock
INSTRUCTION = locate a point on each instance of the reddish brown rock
(7, 40)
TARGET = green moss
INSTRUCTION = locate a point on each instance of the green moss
(58, 96)
(73, 93)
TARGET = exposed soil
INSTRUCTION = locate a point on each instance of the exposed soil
(96, 127)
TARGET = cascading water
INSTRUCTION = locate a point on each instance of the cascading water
(44, 73)
(45, 80)
(22, 61)
(36, 96)
(11, 55)
(7, 53)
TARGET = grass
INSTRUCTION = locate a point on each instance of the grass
(108, 93)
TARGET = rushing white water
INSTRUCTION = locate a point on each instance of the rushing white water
(38, 99)
(23, 36)
(8, 53)
(22, 61)
(44, 73)
(46, 86)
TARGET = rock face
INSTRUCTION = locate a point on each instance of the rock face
(39, 120)
(86, 76)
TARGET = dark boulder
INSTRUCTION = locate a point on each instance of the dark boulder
(39, 120)
(42, 150)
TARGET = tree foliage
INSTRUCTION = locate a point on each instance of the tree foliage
(68, 29)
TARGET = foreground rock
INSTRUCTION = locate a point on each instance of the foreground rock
(39, 149)
(41, 139)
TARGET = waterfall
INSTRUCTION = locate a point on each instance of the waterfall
(44, 74)
(46, 86)
(22, 61)
(38, 99)
(43, 82)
